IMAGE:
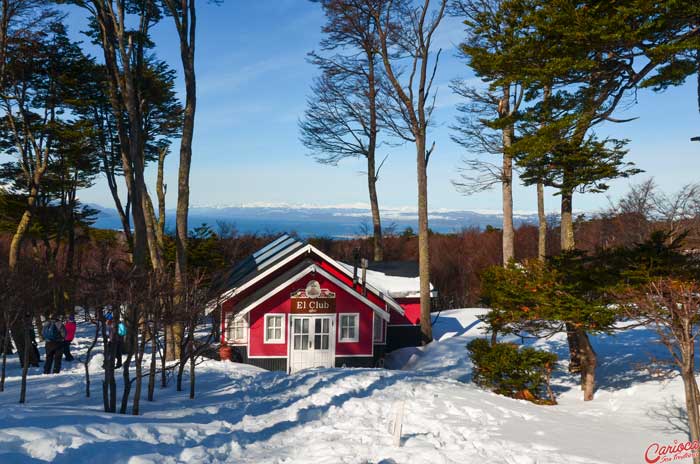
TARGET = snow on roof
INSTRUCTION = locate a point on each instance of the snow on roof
(393, 285)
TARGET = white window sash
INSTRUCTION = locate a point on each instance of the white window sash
(274, 325)
(349, 333)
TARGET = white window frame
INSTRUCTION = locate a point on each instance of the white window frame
(379, 338)
(283, 327)
(354, 339)
(233, 323)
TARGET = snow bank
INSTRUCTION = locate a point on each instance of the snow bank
(394, 286)
(246, 415)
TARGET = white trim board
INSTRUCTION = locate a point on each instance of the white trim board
(213, 304)
(314, 268)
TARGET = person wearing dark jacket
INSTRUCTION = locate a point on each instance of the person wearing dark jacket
(54, 333)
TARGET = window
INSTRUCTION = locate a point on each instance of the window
(378, 329)
(274, 328)
(349, 328)
(237, 330)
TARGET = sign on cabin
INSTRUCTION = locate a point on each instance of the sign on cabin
(313, 300)
(290, 306)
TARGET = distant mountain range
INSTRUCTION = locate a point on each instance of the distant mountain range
(340, 221)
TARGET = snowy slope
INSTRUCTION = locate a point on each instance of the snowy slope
(245, 415)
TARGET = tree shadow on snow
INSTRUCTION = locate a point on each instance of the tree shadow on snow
(305, 415)
(266, 397)
(672, 414)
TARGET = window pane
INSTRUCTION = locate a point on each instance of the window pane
(297, 325)
(378, 329)
(305, 341)
(317, 342)
(305, 325)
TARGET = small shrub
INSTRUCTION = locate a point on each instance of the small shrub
(508, 370)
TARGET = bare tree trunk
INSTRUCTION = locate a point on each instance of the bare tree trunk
(192, 360)
(163, 358)
(127, 383)
(174, 341)
(541, 215)
(577, 363)
(181, 365)
(567, 222)
(423, 240)
(114, 190)
(161, 190)
(25, 368)
(185, 17)
(377, 240)
(574, 351)
(691, 406)
(140, 349)
(372, 171)
(20, 232)
(154, 248)
(86, 363)
(152, 368)
(588, 364)
(508, 237)
(5, 349)
(541, 224)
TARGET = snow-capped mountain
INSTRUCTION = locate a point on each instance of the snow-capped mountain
(322, 220)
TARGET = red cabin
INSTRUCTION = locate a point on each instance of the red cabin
(290, 306)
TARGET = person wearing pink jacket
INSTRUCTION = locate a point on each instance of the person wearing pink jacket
(70, 335)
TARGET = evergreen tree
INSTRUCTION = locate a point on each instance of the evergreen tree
(487, 121)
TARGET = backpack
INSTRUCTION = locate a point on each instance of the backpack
(50, 332)
(121, 329)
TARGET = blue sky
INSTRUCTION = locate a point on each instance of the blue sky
(253, 81)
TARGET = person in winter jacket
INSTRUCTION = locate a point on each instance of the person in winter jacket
(70, 335)
(54, 333)
(115, 340)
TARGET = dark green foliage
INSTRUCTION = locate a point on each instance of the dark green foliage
(541, 299)
(577, 288)
(204, 250)
(512, 371)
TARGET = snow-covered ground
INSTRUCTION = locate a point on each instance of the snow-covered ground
(246, 415)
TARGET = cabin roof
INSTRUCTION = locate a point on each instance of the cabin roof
(274, 254)
(395, 268)
(255, 264)
(398, 279)
(279, 283)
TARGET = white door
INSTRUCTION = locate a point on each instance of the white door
(312, 343)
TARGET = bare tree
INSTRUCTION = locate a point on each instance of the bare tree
(345, 111)
(487, 123)
(405, 34)
(677, 209)
(123, 35)
(672, 309)
(185, 19)
(475, 131)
